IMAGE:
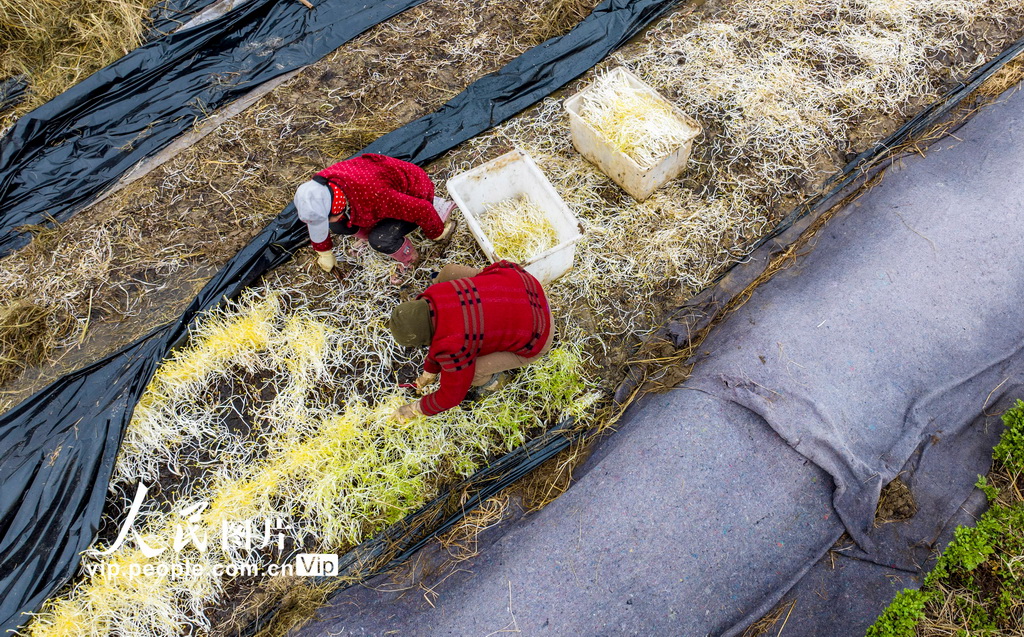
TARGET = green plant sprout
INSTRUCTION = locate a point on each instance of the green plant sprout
(977, 584)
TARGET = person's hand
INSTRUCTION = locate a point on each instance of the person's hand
(407, 412)
(326, 260)
(425, 379)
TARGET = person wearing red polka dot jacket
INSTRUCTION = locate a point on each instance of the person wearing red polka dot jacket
(377, 199)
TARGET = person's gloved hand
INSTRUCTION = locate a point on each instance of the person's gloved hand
(425, 379)
(407, 412)
(326, 260)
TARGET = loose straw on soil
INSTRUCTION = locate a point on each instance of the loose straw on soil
(782, 89)
(518, 229)
(24, 338)
(557, 17)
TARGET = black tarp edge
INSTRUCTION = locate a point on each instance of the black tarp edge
(12, 91)
(166, 16)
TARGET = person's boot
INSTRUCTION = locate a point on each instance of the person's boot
(444, 209)
(407, 258)
(496, 382)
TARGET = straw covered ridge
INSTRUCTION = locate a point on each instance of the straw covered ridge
(57, 43)
(518, 229)
(279, 405)
(24, 338)
(636, 122)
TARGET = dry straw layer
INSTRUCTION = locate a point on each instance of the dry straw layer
(309, 372)
(24, 338)
(57, 43)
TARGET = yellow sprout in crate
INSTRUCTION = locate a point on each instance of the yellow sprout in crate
(518, 229)
(635, 121)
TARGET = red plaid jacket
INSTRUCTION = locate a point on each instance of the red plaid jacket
(502, 309)
(379, 187)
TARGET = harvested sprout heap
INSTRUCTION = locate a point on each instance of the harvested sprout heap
(637, 122)
(518, 229)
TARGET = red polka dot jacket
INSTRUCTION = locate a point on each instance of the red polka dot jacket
(502, 309)
(378, 187)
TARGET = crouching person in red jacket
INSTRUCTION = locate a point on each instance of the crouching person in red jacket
(376, 198)
(477, 323)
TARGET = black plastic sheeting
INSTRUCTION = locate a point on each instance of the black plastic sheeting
(60, 156)
(12, 91)
(57, 448)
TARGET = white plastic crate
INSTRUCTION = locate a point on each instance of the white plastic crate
(511, 175)
(621, 168)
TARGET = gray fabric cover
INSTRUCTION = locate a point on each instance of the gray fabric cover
(890, 347)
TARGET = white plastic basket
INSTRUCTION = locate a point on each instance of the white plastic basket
(620, 167)
(511, 175)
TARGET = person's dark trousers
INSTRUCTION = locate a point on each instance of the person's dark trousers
(387, 236)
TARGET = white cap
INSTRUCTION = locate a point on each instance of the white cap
(313, 204)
